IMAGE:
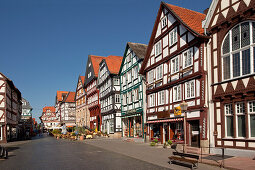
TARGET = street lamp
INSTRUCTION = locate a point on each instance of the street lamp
(184, 108)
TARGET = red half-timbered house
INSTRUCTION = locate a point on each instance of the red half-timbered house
(231, 26)
(90, 84)
(175, 69)
(49, 119)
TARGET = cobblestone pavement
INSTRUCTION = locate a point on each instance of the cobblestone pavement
(50, 153)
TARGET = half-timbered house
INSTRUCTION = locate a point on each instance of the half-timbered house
(81, 107)
(49, 119)
(109, 94)
(10, 109)
(175, 72)
(231, 26)
(67, 110)
(90, 85)
(60, 96)
(132, 91)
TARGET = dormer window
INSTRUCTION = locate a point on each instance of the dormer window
(164, 22)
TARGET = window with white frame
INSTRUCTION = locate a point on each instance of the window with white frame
(161, 98)
(187, 58)
(240, 113)
(116, 81)
(190, 89)
(173, 37)
(124, 99)
(177, 93)
(130, 97)
(158, 48)
(164, 22)
(136, 95)
(124, 79)
(237, 49)
(117, 98)
(229, 120)
(251, 118)
(159, 72)
(152, 100)
(135, 72)
(129, 76)
(175, 64)
(150, 76)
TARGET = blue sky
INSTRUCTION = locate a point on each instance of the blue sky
(44, 44)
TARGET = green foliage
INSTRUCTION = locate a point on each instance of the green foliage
(156, 140)
(73, 134)
(153, 144)
(56, 131)
(165, 145)
(169, 142)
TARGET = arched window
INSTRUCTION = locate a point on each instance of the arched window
(238, 51)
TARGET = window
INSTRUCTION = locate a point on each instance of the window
(135, 72)
(251, 111)
(175, 64)
(177, 93)
(173, 37)
(164, 22)
(229, 120)
(136, 95)
(240, 113)
(151, 76)
(159, 72)
(152, 100)
(117, 98)
(188, 58)
(161, 97)
(124, 79)
(158, 48)
(129, 76)
(190, 89)
(128, 57)
(130, 97)
(124, 99)
(89, 74)
(111, 122)
(116, 81)
(236, 50)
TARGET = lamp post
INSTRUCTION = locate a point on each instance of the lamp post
(184, 107)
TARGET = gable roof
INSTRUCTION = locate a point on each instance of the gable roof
(51, 108)
(59, 95)
(26, 104)
(189, 18)
(139, 49)
(113, 63)
(210, 12)
(70, 97)
(95, 60)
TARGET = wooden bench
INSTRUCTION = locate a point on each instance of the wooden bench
(184, 157)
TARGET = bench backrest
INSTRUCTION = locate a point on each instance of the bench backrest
(186, 155)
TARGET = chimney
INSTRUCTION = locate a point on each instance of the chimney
(206, 11)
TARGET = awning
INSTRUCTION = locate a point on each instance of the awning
(166, 120)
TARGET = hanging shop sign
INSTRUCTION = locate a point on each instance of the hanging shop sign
(177, 111)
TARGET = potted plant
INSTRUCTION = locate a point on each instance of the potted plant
(81, 137)
(153, 144)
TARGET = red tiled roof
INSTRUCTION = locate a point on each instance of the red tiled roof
(192, 19)
(59, 95)
(82, 79)
(114, 63)
(51, 108)
(70, 97)
(95, 62)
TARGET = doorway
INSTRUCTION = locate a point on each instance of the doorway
(194, 133)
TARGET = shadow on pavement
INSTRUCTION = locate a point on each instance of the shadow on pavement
(12, 148)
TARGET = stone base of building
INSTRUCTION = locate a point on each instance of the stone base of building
(233, 152)
(116, 135)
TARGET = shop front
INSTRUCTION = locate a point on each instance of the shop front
(132, 126)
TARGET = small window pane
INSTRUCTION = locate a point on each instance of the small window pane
(226, 45)
(253, 25)
(241, 126)
(236, 64)
(226, 67)
(230, 131)
(252, 125)
(235, 38)
(245, 36)
(246, 62)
